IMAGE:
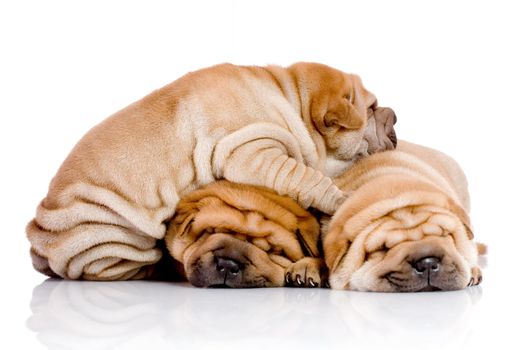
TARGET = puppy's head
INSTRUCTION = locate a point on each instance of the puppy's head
(343, 112)
(415, 240)
(233, 235)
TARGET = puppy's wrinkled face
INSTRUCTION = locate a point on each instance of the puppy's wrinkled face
(227, 234)
(234, 260)
(379, 133)
(346, 114)
(402, 229)
(430, 264)
(375, 134)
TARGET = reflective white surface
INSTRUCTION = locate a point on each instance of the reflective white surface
(124, 315)
(159, 315)
(453, 71)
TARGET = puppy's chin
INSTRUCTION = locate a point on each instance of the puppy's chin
(430, 264)
(338, 162)
(227, 262)
(357, 146)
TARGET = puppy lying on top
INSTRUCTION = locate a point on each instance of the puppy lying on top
(289, 129)
(233, 235)
(405, 227)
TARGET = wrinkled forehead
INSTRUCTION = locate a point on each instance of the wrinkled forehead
(429, 245)
(359, 95)
(269, 237)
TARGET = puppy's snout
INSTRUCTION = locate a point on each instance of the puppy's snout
(228, 266)
(394, 116)
(389, 126)
(427, 265)
(385, 119)
(393, 138)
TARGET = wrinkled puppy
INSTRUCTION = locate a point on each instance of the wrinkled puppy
(405, 227)
(233, 235)
(289, 129)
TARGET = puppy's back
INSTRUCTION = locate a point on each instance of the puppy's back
(409, 161)
(444, 164)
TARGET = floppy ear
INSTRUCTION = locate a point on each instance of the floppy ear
(330, 92)
(182, 224)
(341, 112)
(334, 253)
(308, 244)
(308, 233)
(349, 109)
(463, 216)
(468, 228)
(177, 233)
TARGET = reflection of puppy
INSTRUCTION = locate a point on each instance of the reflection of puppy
(405, 226)
(406, 321)
(289, 129)
(71, 315)
(127, 315)
(233, 235)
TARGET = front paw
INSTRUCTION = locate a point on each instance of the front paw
(477, 277)
(307, 273)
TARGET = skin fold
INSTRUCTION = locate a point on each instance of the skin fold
(288, 129)
(233, 235)
(406, 226)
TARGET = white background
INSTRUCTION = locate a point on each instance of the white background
(452, 70)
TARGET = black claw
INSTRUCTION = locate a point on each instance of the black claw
(298, 280)
(471, 282)
(288, 278)
(326, 284)
(311, 283)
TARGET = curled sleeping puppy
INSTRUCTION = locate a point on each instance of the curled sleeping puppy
(288, 129)
(405, 228)
(233, 235)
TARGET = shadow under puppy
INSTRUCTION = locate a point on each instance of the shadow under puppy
(405, 226)
(233, 235)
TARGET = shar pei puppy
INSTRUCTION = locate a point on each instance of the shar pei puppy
(234, 235)
(289, 129)
(406, 226)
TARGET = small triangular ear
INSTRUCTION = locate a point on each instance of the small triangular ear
(470, 234)
(178, 230)
(335, 255)
(183, 226)
(463, 216)
(305, 247)
(308, 239)
(342, 113)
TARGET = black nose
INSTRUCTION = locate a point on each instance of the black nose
(430, 264)
(228, 266)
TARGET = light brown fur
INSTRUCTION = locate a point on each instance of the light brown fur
(288, 129)
(406, 205)
(263, 233)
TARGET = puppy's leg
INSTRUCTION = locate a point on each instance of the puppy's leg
(307, 273)
(268, 162)
(89, 232)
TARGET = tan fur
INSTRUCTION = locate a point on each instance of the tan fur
(262, 231)
(270, 126)
(405, 205)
